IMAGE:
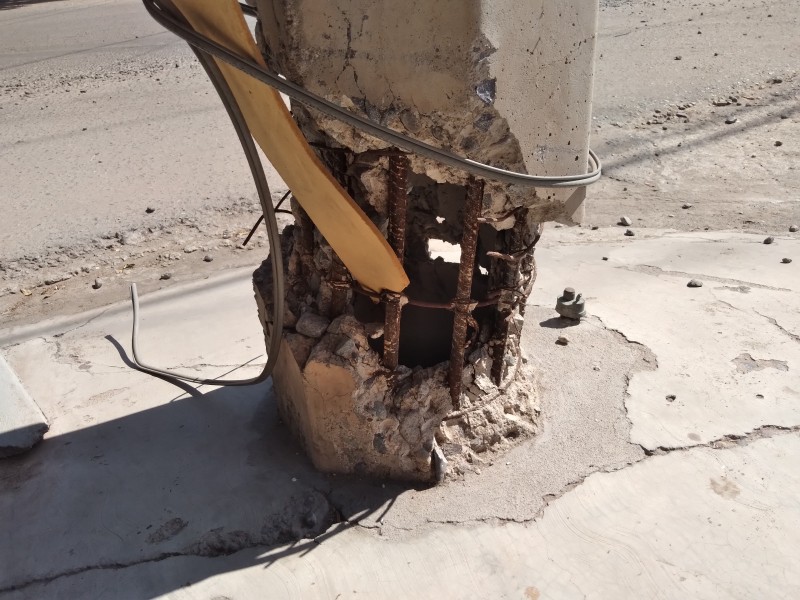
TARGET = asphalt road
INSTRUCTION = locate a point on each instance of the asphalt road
(103, 114)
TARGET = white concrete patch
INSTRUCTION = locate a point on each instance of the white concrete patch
(747, 309)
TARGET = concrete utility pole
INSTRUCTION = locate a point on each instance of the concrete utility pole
(373, 383)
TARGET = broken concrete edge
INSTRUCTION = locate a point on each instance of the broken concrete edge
(22, 423)
(354, 416)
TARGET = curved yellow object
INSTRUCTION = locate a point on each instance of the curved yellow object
(351, 234)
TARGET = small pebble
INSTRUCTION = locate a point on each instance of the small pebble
(694, 283)
(678, 57)
(190, 249)
(166, 276)
(595, 228)
(671, 397)
(625, 221)
(769, 240)
(731, 120)
(98, 283)
(208, 258)
(562, 340)
(149, 210)
(687, 205)
(778, 143)
(605, 258)
(793, 228)
(786, 261)
(629, 232)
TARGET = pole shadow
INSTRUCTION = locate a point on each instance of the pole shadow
(214, 474)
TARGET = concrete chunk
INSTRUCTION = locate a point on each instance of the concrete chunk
(22, 424)
(312, 325)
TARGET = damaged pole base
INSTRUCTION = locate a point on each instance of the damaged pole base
(393, 375)
(353, 415)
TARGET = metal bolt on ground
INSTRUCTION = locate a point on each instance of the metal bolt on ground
(571, 305)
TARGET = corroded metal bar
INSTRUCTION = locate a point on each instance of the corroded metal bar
(398, 213)
(469, 243)
(515, 283)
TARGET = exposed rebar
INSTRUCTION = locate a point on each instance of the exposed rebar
(466, 269)
(513, 279)
(398, 213)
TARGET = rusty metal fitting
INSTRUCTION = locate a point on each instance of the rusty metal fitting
(571, 305)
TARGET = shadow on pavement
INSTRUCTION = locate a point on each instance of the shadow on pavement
(205, 476)
(559, 323)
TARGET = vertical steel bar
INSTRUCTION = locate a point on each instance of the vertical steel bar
(337, 276)
(398, 213)
(469, 243)
(514, 280)
(511, 241)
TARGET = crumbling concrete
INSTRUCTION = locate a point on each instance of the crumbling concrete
(505, 85)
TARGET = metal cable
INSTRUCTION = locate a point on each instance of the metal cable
(276, 259)
(380, 131)
(203, 48)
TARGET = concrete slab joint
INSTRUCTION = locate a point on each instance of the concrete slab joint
(442, 361)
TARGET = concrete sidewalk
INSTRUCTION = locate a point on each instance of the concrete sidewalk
(667, 465)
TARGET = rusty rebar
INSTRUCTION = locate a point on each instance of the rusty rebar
(466, 269)
(398, 213)
(515, 286)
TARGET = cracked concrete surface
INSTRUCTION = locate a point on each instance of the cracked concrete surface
(695, 333)
(142, 489)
